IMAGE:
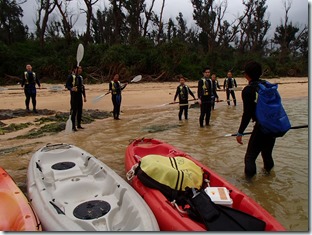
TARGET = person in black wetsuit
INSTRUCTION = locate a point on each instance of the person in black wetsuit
(216, 86)
(183, 91)
(29, 81)
(228, 86)
(205, 95)
(115, 88)
(77, 90)
(258, 142)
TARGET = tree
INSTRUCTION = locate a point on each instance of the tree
(253, 27)
(102, 26)
(159, 22)
(148, 16)
(117, 6)
(45, 8)
(182, 27)
(89, 4)
(134, 9)
(209, 16)
(67, 19)
(11, 26)
(171, 30)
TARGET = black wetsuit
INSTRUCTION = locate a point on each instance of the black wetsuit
(205, 94)
(115, 88)
(258, 142)
(76, 101)
(29, 83)
(183, 92)
(228, 84)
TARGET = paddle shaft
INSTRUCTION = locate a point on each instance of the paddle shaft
(98, 98)
(176, 102)
(293, 127)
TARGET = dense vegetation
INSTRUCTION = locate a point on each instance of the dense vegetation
(130, 38)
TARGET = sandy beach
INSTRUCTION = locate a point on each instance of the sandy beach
(145, 114)
(136, 96)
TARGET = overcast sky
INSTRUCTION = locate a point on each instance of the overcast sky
(298, 13)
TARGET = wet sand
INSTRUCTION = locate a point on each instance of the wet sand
(135, 96)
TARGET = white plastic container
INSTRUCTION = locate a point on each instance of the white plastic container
(219, 195)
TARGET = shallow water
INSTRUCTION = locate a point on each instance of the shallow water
(284, 193)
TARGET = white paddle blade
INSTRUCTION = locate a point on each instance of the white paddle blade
(80, 52)
(97, 99)
(236, 89)
(69, 125)
(137, 78)
(56, 88)
(228, 135)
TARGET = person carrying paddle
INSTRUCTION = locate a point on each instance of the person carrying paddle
(205, 95)
(77, 90)
(229, 85)
(29, 81)
(183, 91)
(258, 142)
(216, 86)
(115, 88)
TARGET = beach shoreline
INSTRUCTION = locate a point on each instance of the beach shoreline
(137, 96)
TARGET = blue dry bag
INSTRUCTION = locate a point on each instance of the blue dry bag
(270, 112)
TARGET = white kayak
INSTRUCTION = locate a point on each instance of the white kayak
(71, 190)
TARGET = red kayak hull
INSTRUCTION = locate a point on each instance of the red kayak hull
(168, 218)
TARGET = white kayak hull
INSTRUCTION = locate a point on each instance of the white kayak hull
(71, 190)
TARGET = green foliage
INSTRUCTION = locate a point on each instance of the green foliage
(117, 44)
(11, 26)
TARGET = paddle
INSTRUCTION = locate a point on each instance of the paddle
(176, 102)
(236, 89)
(20, 88)
(248, 133)
(136, 78)
(98, 98)
(79, 56)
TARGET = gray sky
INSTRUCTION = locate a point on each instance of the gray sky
(298, 13)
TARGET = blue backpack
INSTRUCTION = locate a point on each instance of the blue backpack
(269, 110)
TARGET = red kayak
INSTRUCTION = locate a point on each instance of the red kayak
(168, 217)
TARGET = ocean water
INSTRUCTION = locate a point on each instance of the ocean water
(284, 193)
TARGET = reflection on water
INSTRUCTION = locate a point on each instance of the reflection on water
(284, 193)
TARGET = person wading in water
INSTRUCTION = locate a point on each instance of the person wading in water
(258, 141)
(29, 83)
(77, 91)
(228, 86)
(183, 91)
(205, 94)
(115, 88)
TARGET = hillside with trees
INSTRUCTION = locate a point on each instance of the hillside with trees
(129, 37)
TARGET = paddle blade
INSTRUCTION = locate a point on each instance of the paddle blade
(97, 99)
(80, 52)
(228, 135)
(136, 78)
(55, 88)
(69, 124)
